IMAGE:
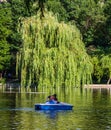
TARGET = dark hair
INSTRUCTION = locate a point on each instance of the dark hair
(49, 96)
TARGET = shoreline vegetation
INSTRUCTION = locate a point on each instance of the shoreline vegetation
(55, 43)
(15, 84)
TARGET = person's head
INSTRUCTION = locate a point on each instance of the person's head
(49, 96)
(54, 97)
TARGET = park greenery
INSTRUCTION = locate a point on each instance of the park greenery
(56, 43)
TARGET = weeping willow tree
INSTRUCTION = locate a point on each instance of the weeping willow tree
(106, 64)
(53, 54)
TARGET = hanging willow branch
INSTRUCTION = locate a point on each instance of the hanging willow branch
(106, 64)
(53, 54)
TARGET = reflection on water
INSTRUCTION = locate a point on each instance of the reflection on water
(92, 111)
(52, 114)
(17, 109)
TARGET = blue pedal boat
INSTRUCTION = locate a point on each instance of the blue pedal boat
(59, 106)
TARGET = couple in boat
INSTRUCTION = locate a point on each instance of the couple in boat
(52, 99)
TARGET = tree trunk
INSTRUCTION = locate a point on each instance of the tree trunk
(109, 80)
(0, 75)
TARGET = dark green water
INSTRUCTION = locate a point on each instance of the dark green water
(92, 111)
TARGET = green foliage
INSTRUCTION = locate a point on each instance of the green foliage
(5, 31)
(4, 55)
(18, 10)
(107, 27)
(32, 6)
(87, 15)
(53, 54)
(9, 38)
(57, 8)
(101, 60)
(3, 80)
(98, 71)
(92, 17)
(106, 63)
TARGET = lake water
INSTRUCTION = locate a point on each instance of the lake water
(92, 111)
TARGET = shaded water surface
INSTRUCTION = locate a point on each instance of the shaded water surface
(92, 111)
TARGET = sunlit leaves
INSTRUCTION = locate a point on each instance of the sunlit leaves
(53, 54)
